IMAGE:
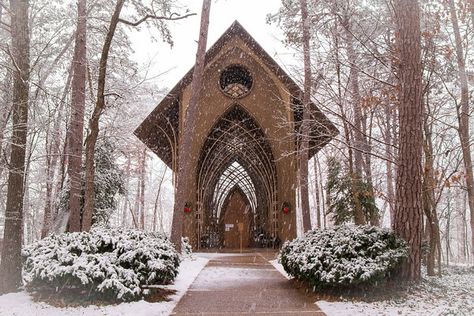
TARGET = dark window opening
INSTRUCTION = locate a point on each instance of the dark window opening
(236, 81)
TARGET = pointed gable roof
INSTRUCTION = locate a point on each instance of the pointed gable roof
(159, 131)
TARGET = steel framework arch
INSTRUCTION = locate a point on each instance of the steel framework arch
(236, 154)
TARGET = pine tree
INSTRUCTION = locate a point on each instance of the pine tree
(408, 204)
(10, 268)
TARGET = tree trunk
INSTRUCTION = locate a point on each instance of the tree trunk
(374, 216)
(323, 204)
(5, 114)
(316, 192)
(471, 11)
(53, 154)
(408, 207)
(59, 221)
(186, 138)
(428, 205)
(465, 239)
(10, 268)
(142, 187)
(76, 128)
(389, 164)
(463, 117)
(126, 196)
(347, 135)
(359, 217)
(157, 200)
(49, 186)
(429, 184)
(136, 208)
(99, 108)
(447, 232)
(304, 137)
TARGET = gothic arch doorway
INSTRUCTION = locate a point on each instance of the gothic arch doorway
(236, 169)
(236, 220)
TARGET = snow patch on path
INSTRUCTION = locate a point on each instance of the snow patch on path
(20, 304)
(277, 265)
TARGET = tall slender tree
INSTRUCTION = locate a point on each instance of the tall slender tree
(463, 113)
(317, 198)
(10, 267)
(360, 141)
(100, 105)
(143, 170)
(75, 132)
(186, 139)
(408, 206)
(99, 108)
(304, 144)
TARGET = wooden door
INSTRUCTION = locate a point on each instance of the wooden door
(236, 212)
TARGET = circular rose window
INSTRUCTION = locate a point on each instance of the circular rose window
(235, 81)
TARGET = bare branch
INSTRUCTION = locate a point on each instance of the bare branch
(172, 17)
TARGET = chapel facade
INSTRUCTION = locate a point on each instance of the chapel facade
(244, 182)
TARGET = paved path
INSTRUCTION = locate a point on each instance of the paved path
(244, 284)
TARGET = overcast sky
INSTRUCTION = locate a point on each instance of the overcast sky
(178, 60)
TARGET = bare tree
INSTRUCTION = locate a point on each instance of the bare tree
(359, 138)
(100, 105)
(10, 268)
(184, 159)
(463, 113)
(408, 207)
(99, 108)
(53, 155)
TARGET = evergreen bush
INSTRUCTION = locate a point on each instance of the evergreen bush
(344, 255)
(341, 189)
(186, 248)
(107, 264)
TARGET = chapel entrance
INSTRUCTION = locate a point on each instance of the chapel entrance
(236, 221)
(236, 182)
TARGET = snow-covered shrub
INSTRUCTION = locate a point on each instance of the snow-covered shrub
(105, 263)
(186, 248)
(343, 255)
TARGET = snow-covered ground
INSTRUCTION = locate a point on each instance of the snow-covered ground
(20, 304)
(453, 294)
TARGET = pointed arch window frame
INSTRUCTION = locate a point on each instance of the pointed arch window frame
(234, 175)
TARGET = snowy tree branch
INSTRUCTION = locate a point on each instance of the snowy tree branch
(172, 17)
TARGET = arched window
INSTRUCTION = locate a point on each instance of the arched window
(235, 81)
(234, 175)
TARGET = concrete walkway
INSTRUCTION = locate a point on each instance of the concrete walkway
(244, 284)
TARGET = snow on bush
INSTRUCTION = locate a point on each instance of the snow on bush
(343, 255)
(105, 263)
(186, 249)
